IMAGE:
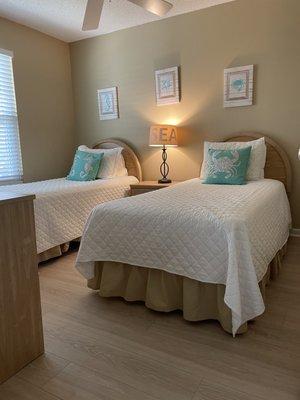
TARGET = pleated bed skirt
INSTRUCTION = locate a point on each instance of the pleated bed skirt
(165, 292)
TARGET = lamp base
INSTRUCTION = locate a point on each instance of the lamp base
(164, 180)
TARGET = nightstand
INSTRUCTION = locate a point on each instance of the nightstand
(148, 186)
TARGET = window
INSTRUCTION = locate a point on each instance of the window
(10, 152)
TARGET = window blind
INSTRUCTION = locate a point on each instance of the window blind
(10, 151)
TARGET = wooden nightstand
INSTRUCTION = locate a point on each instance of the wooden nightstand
(148, 186)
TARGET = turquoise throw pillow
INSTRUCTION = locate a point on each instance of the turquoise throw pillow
(85, 166)
(227, 167)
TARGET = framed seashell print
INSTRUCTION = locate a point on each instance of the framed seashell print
(238, 86)
(108, 103)
(167, 86)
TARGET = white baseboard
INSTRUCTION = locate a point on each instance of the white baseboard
(295, 232)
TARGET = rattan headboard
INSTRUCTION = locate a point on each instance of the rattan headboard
(131, 161)
(277, 163)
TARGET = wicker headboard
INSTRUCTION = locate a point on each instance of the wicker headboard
(131, 161)
(277, 164)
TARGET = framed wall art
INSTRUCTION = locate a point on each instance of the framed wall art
(238, 86)
(167, 86)
(108, 103)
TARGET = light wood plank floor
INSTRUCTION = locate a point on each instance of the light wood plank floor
(108, 349)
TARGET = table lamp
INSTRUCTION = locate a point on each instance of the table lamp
(163, 136)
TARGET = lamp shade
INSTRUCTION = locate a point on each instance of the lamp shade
(163, 135)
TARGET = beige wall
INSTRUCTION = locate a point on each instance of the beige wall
(261, 32)
(44, 99)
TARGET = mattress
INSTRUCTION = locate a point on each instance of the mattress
(210, 233)
(62, 207)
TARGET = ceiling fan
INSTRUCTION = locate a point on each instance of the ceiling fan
(94, 9)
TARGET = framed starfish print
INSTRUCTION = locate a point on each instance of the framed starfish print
(167, 86)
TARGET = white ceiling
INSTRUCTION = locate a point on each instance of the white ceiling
(63, 18)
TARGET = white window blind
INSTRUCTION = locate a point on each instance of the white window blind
(10, 151)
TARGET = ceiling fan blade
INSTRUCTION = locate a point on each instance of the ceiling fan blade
(92, 15)
(158, 7)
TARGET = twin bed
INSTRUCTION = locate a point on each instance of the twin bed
(62, 206)
(208, 250)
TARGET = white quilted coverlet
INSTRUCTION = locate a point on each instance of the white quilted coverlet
(62, 207)
(210, 233)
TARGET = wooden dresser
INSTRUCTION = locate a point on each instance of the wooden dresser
(21, 332)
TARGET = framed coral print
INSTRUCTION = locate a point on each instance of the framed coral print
(167, 86)
(108, 103)
(238, 86)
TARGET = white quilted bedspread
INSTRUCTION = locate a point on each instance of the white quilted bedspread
(62, 207)
(211, 233)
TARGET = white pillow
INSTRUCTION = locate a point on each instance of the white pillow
(112, 163)
(121, 169)
(257, 156)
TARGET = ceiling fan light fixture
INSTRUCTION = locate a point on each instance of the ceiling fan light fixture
(157, 7)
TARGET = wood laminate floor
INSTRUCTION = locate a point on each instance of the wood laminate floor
(109, 349)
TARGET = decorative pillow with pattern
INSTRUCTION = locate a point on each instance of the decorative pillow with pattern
(85, 166)
(227, 167)
(257, 157)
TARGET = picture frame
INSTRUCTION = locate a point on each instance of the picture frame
(108, 103)
(167, 86)
(238, 86)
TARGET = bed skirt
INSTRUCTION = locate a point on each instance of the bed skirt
(162, 291)
(54, 252)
